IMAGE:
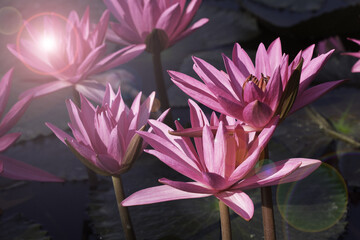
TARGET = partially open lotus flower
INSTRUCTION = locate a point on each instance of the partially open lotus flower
(256, 94)
(11, 168)
(105, 138)
(138, 18)
(333, 42)
(71, 53)
(356, 67)
(222, 165)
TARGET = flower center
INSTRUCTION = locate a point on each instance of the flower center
(260, 83)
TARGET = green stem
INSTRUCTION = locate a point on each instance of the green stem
(267, 206)
(160, 85)
(225, 221)
(123, 211)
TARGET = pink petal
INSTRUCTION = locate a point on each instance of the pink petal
(180, 143)
(307, 54)
(92, 57)
(306, 168)
(92, 90)
(268, 174)
(308, 73)
(187, 16)
(119, 57)
(171, 156)
(237, 79)
(107, 163)
(239, 202)
(254, 152)
(27, 58)
(60, 134)
(195, 89)
(257, 114)
(116, 147)
(198, 120)
(208, 149)
(356, 67)
(14, 114)
(159, 194)
(311, 94)
(169, 19)
(189, 149)
(242, 61)
(354, 40)
(275, 53)
(193, 187)
(252, 92)
(273, 89)
(17, 170)
(7, 140)
(126, 33)
(262, 62)
(190, 30)
(45, 89)
(5, 90)
(220, 151)
(85, 152)
(145, 110)
(230, 107)
(177, 164)
(215, 80)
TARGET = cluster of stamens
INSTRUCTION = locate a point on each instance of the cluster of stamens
(260, 83)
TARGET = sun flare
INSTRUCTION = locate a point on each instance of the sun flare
(48, 43)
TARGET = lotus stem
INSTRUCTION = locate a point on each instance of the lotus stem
(93, 180)
(267, 206)
(123, 211)
(160, 85)
(225, 221)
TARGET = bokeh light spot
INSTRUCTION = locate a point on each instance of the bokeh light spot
(10, 20)
(48, 32)
(315, 203)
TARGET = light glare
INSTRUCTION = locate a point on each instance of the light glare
(48, 43)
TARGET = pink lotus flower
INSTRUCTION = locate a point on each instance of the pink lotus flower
(71, 53)
(11, 168)
(138, 18)
(255, 94)
(329, 43)
(222, 165)
(105, 138)
(356, 67)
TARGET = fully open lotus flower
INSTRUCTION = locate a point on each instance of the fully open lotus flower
(255, 94)
(222, 165)
(11, 168)
(138, 18)
(356, 67)
(105, 138)
(70, 53)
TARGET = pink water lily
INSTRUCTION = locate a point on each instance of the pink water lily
(105, 138)
(222, 165)
(11, 168)
(356, 67)
(255, 94)
(138, 18)
(70, 52)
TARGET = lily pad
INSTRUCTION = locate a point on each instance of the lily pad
(293, 5)
(18, 227)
